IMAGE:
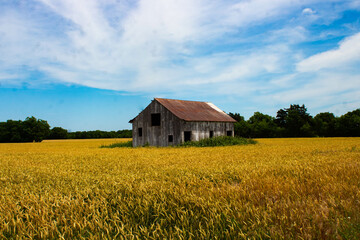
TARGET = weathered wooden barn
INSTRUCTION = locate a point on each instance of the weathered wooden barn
(167, 122)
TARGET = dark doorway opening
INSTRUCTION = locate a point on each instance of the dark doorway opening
(140, 132)
(155, 119)
(187, 136)
(171, 138)
(211, 134)
(229, 133)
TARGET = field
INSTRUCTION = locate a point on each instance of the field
(278, 188)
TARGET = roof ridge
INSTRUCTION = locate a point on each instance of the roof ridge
(182, 100)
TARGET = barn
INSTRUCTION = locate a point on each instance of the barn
(166, 122)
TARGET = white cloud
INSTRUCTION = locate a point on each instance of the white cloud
(347, 54)
(134, 52)
(320, 86)
(355, 4)
(291, 35)
(10, 79)
(337, 93)
(245, 12)
(308, 11)
(156, 46)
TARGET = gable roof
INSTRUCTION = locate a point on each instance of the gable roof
(194, 111)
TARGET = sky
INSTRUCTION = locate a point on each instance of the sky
(95, 64)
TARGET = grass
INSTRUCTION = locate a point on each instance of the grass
(218, 141)
(276, 189)
(208, 142)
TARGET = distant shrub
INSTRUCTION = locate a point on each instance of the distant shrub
(219, 141)
(118, 145)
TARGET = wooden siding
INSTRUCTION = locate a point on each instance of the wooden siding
(156, 135)
(201, 130)
(172, 125)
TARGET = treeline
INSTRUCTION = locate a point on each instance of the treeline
(98, 134)
(289, 122)
(32, 129)
(296, 122)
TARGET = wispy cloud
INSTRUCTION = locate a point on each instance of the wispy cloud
(346, 55)
(228, 47)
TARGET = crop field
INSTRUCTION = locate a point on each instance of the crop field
(278, 189)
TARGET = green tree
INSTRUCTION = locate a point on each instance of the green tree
(237, 117)
(124, 133)
(295, 120)
(58, 133)
(242, 129)
(349, 124)
(324, 124)
(34, 129)
(262, 125)
(10, 131)
(281, 118)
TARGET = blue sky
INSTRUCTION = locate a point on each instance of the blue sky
(88, 64)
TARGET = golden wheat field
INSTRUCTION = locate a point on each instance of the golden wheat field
(278, 189)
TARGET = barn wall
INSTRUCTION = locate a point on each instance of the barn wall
(201, 130)
(156, 135)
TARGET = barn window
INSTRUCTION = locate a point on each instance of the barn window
(229, 133)
(171, 138)
(155, 119)
(187, 136)
(140, 132)
(211, 134)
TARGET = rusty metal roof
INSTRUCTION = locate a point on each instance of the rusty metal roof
(195, 111)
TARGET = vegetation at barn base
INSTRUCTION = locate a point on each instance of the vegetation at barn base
(208, 142)
(218, 141)
(278, 189)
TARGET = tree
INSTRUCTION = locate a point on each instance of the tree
(349, 124)
(34, 129)
(242, 129)
(58, 133)
(324, 124)
(10, 131)
(281, 118)
(262, 125)
(236, 116)
(295, 120)
(124, 133)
